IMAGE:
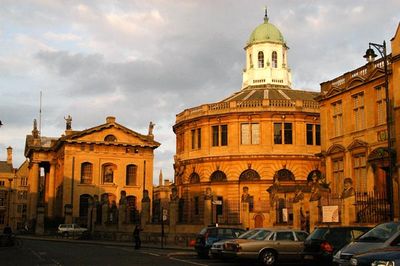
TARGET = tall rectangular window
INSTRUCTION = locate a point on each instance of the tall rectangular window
(337, 118)
(360, 172)
(196, 138)
(283, 136)
(313, 134)
(131, 175)
(317, 135)
(380, 105)
(219, 135)
(250, 133)
(277, 133)
(338, 173)
(358, 111)
(310, 135)
(288, 133)
(215, 136)
(224, 135)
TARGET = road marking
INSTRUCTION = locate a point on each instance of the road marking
(36, 254)
(149, 253)
(188, 261)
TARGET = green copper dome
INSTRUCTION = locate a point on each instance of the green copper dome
(266, 32)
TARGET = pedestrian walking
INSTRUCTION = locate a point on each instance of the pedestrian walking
(136, 236)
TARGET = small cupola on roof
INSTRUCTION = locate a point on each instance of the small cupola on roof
(266, 58)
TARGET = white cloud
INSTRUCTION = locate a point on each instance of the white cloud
(61, 36)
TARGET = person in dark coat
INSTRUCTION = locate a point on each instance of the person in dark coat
(136, 236)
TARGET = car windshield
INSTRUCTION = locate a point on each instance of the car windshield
(249, 234)
(380, 233)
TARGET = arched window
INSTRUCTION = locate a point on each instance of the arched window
(131, 175)
(108, 173)
(110, 138)
(312, 174)
(249, 175)
(274, 59)
(218, 176)
(260, 59)
(86, 173)
(194, 178)
(284, 175)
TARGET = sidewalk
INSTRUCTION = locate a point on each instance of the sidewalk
(186, 250)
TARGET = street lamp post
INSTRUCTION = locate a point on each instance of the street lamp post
(9, 202)
(370, 56)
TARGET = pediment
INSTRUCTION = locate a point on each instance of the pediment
(376, 73)
(111, 134)
(357, 144)
(336, 148)
(355, 82)
(333, 91)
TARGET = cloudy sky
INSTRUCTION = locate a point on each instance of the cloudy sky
(143, 61)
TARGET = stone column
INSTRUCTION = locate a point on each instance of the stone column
(207, 211)
(145, 214)
(39, 227)
(68, 213)
(314, 214)
(173, 213)
(348, 211)
(33, 190)
(51, 193)
(245, 215)
(272, 214)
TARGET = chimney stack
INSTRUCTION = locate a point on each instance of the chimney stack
(9, 155)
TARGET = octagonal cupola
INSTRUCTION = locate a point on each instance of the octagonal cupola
(266, 58)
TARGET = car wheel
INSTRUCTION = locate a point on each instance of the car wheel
(268, 257)
(65, 234)
(203, 254)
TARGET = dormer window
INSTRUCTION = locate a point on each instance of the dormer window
(260, 59)
(110, 138)
(274, 59)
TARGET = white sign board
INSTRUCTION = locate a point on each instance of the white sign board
(217, 202)
(165, 214)
(285, 215)
(330, 214)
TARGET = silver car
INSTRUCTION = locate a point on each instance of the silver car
(381, 236)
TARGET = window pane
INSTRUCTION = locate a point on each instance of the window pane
(224, 135)
(310, 134)
(288, 133)
(215, 134)
(260, 59)
(245, 132)
(255, 133)
(274, 59)
(193, 139)
(317, 135)
(199, 138)
(277, 133)
(131, 172)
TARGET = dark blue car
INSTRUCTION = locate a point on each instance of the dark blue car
(209, 235)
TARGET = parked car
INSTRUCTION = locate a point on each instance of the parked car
(381, 236)
(323, 242)
(268, 246)
(389, 256)
(217, 248)
(209, 235)
(71, 230)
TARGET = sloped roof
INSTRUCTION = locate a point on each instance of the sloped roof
(6, 167)
(257, 93)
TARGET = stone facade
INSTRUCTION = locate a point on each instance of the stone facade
(105, 168)
(266, 132)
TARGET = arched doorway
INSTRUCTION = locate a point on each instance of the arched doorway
(258, 221)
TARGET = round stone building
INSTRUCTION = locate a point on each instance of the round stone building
(256, 146)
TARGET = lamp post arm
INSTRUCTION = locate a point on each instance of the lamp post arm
(380, 47)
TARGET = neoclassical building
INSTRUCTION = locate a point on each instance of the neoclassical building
(105, 166)
(235, 149)
(355, 130)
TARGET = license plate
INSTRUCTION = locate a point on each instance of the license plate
(308, 257)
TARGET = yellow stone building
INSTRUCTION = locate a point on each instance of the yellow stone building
(106, 165)
(235, 149)
(7, 176)
(354, 128)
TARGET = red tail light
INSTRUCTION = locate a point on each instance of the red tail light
(326, 247)
(192, 242)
